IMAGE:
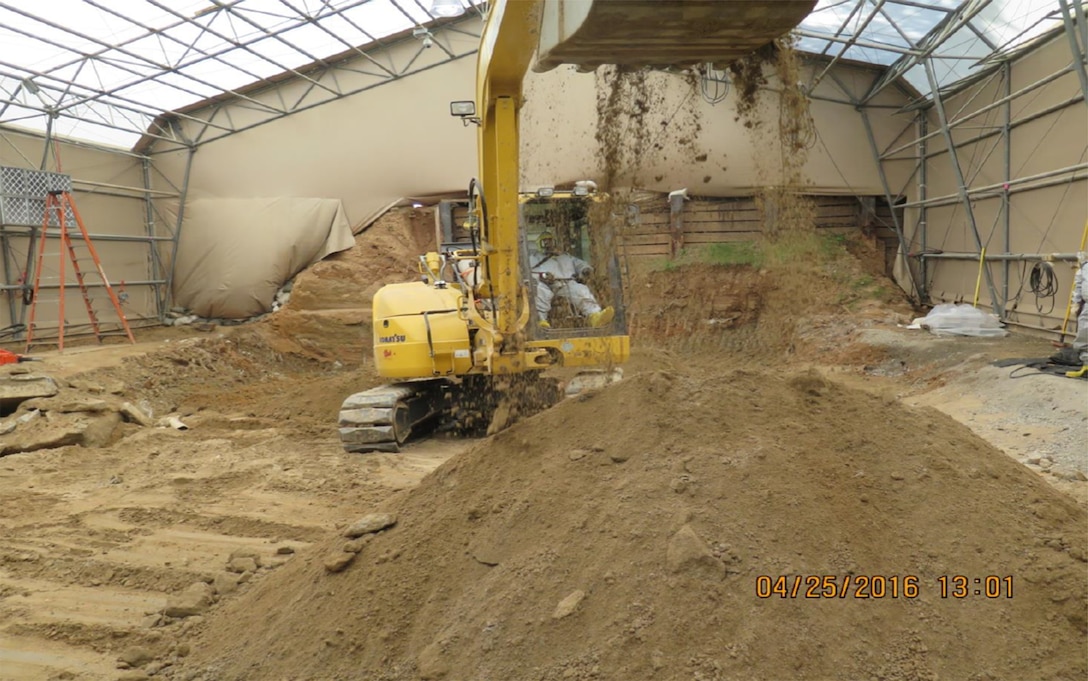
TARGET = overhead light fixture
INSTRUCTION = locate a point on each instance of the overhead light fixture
(447, 8)
(424, 36)
(30, 86)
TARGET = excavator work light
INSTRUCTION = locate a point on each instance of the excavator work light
(545, 192)
(463, 109)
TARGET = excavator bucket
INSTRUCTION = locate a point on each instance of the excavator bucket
(641, 33)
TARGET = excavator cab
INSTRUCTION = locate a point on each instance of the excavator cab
(572, 273)
(569, 267)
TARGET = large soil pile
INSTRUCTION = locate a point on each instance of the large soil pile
(328, 316)
(623, 535)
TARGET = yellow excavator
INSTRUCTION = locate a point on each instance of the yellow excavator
(475, 329)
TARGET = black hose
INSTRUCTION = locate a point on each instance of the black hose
(475, 189)
(1043, 283)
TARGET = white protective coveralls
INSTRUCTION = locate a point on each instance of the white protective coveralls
(563, 268)
(1080, 295)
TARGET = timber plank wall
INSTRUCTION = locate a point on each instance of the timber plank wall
(724, 220)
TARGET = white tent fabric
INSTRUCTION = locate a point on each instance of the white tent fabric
(235, 254)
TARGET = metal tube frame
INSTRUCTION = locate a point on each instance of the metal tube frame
(888, 197)
(1063, 175)
(154, 262)
(169, 291)
(989, 107)
(1006, 196)
(961, 185)
(1077, 49)
(1005, 257)
(923, 189)
(66, 97)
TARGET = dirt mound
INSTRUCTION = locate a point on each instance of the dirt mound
(696, 302)
(801, 297)
(384, 253)
(624, 535)
(328, 315)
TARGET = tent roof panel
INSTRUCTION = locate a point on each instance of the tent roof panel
(105, 73)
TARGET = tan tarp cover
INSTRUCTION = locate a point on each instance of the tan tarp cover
(234, 254)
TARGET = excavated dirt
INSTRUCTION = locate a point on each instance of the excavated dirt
(656, 505)
(773, 421)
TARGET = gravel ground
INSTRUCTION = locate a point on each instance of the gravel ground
(1040, 420)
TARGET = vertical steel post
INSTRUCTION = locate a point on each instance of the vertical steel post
(154, 263)
(961, 183)
(923, 224)
(5, 246)
(177, 228)
(887, 195)
(1077, 49)
(1006, 198)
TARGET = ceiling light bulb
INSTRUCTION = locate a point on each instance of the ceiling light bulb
(447, 8)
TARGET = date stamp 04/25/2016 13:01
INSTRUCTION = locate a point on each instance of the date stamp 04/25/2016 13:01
(882, 586)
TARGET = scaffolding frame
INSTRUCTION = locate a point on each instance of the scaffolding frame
(13, 283)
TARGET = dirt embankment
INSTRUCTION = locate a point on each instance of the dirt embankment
(620, 535)
(624, 535)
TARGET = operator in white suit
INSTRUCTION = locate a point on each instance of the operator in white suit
(1080, 305)
(560, 274)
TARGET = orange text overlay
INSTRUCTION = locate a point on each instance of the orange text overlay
(882, 586)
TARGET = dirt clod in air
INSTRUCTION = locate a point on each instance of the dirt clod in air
(748, 77)
(780, 200)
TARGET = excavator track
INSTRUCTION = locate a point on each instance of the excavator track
(382, 419)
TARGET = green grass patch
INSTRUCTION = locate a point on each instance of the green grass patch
(790, 249)
(734, 253)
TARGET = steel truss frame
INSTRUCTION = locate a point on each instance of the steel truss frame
(247, 40)
(930, 108)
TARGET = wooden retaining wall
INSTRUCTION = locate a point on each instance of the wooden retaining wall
(723, 220)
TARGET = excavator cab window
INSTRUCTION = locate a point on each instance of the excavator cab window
(558, 256)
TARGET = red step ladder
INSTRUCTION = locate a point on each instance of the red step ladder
(58, 207)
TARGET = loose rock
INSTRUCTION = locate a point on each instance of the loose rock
(569, 604)
(242, 564)
(339, 561)
(687, 551)
(193, 601)
(368, 524)
(226, 582)
(430, 663)
(134, 414)
(16, 389)
(136, 656)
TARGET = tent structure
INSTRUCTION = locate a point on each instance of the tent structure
(971, 112)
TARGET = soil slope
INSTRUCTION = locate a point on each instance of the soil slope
(622, 536)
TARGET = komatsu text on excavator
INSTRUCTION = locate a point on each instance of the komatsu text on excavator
(530, 280)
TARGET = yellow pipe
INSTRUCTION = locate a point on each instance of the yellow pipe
(978, 280)
(1069, 298)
